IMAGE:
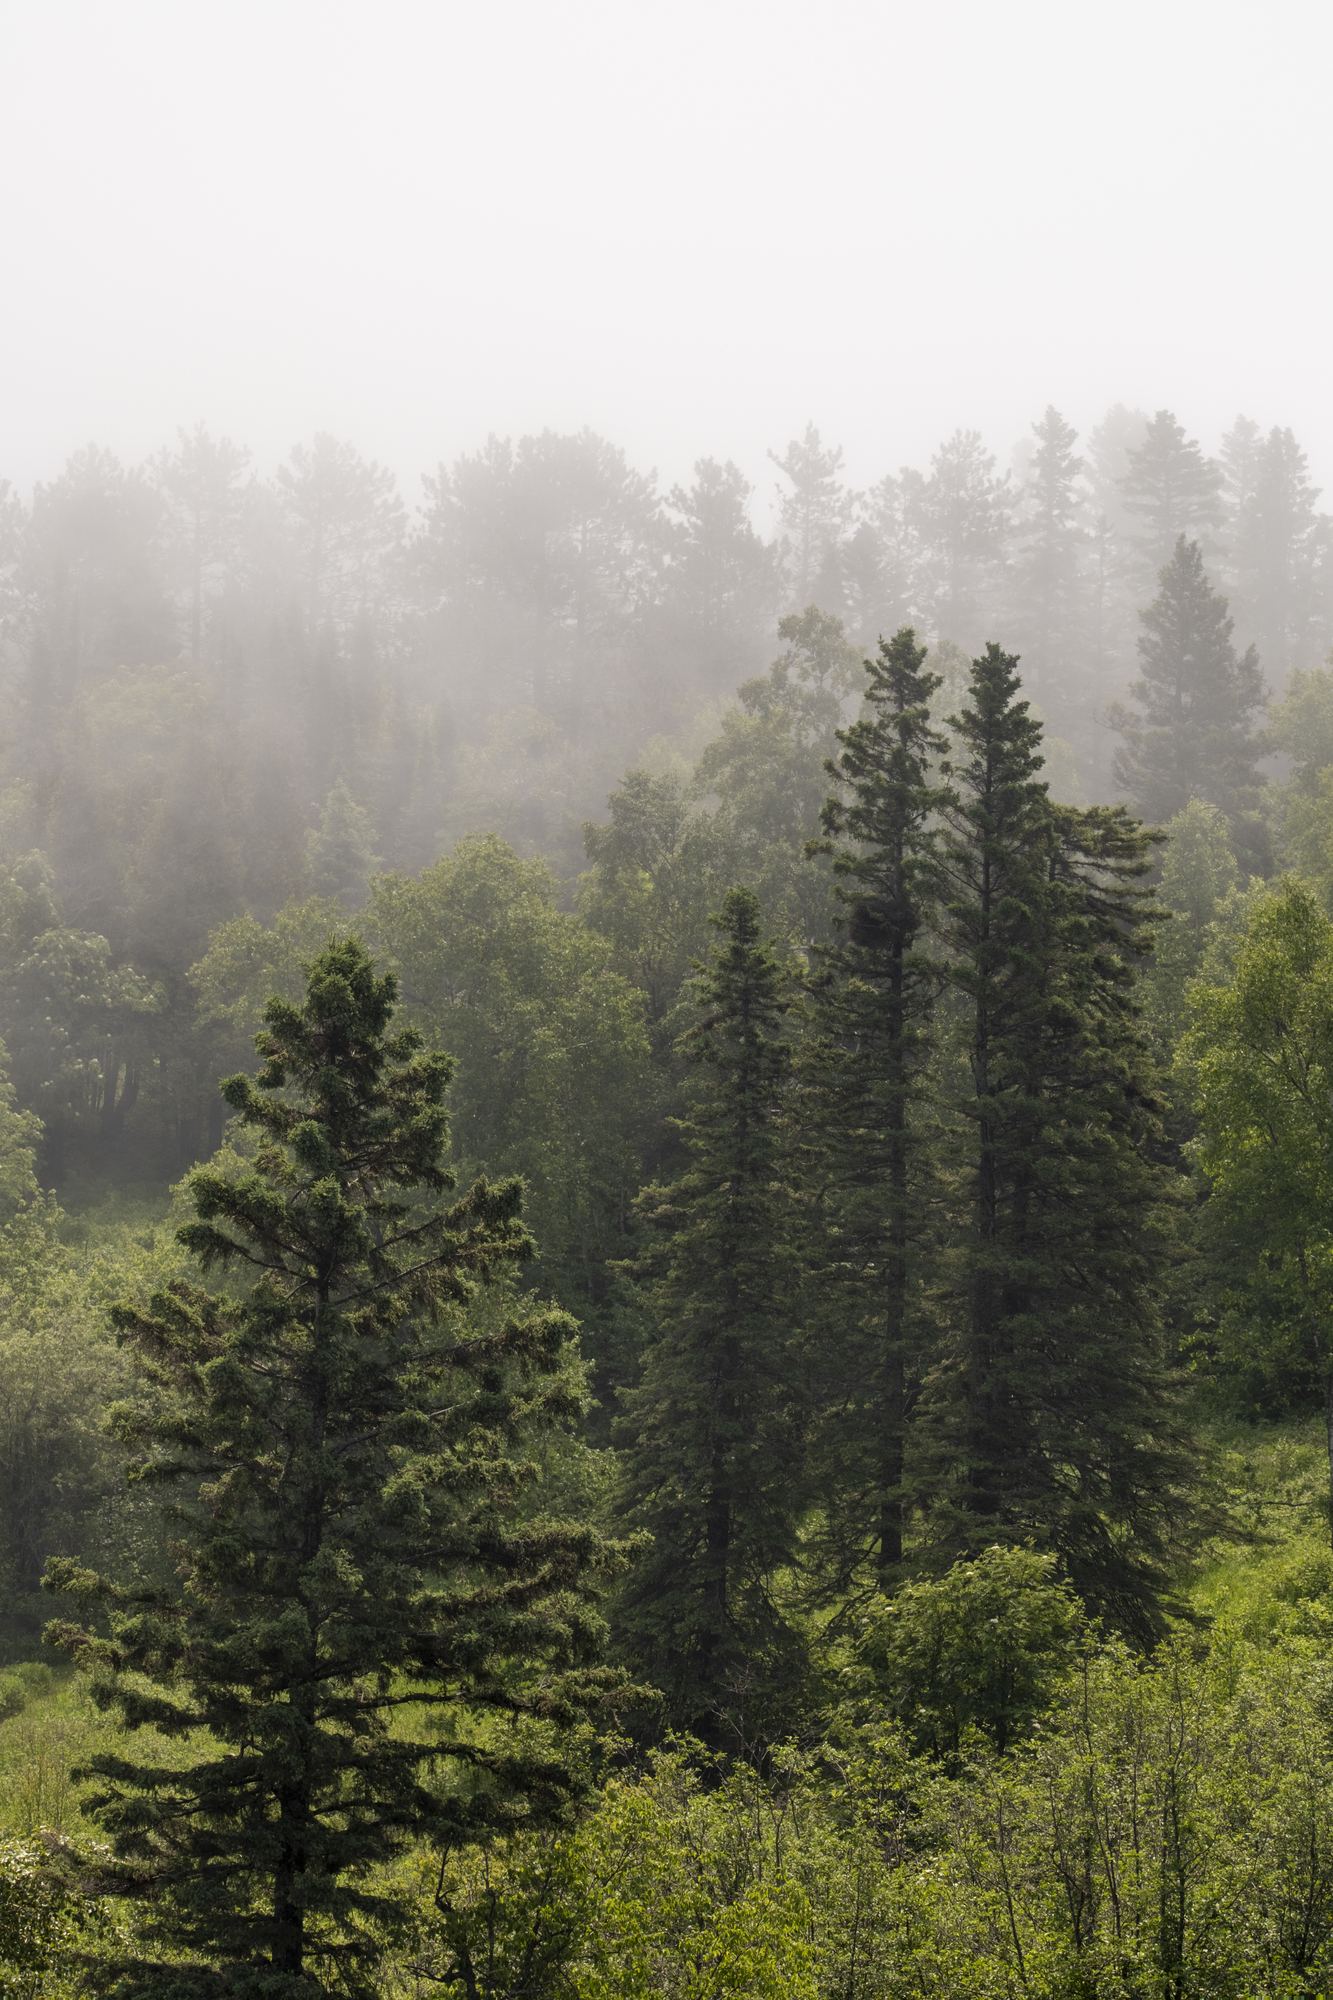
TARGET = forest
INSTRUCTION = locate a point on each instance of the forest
(666, 1224)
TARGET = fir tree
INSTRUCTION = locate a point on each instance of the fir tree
(711, 1434)
(1064, 1427)
(1193, 736)
(863, 1073)
(346, 1451)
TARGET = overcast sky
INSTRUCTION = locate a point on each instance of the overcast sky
(691, 225)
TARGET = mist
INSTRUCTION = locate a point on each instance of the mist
(666, 754)
(690, 229)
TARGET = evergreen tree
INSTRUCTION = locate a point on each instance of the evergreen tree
(342, 851)
(711, 1434)
(863, 1072)
(1047, 585)
(813, 518)
(1064, 1431)
(1238, 462)
(964, 516)
(723, 583)
(1171, 489)
(1192, 737)
(346, 1451)
(1280, 558)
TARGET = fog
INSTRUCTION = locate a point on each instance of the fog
(430, 425)
(692, 228)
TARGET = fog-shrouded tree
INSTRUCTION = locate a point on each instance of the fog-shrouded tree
(863, 1117)
(1191, 733)
(342, 849)
(346, 523)
(1060, 1425)
(1047, 575)
(1171, 489)
(539, 563)
(1198, 871)
(96, 593)
(964, 512)
(722, 583)
(814, 516)
(711, 1434)
(766, 771)
(653, 884)
(203, 484)
(1281, 559)
(344, 1448)
(882, 559)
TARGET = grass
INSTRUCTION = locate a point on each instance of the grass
(39, 1749)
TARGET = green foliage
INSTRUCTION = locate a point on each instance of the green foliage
(767, 771)
(1259, 1057)
(553, 1078)
(39, 1922)
(711, 1433)
(343, 1454)
(980, 1649)
(1198, 870)
(863, 1114)
(1059, 1425)
(654, 880)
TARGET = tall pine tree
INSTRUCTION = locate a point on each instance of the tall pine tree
(1062, 1425)
(863, 1072)
(711, 1435)
(345, 1449)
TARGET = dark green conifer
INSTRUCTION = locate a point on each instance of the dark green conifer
(863, 1070)
(1065, 1430)
(711, 1434)
(346, 1450)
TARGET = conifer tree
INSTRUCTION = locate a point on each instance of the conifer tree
(1280, 557)
(711, 1434)
(863, 1074)
(1064, 1428)
(1192, 737)
(1047, 581)
(342, 852)
(1171, 488)
(345, 1450)
(813, 519)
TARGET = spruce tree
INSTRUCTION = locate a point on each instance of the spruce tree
(1193, 737)
(363, 1598)
(1063, 1425)
(711, 1435)
(863, 1072)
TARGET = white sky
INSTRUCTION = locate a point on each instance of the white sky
(692, 225)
